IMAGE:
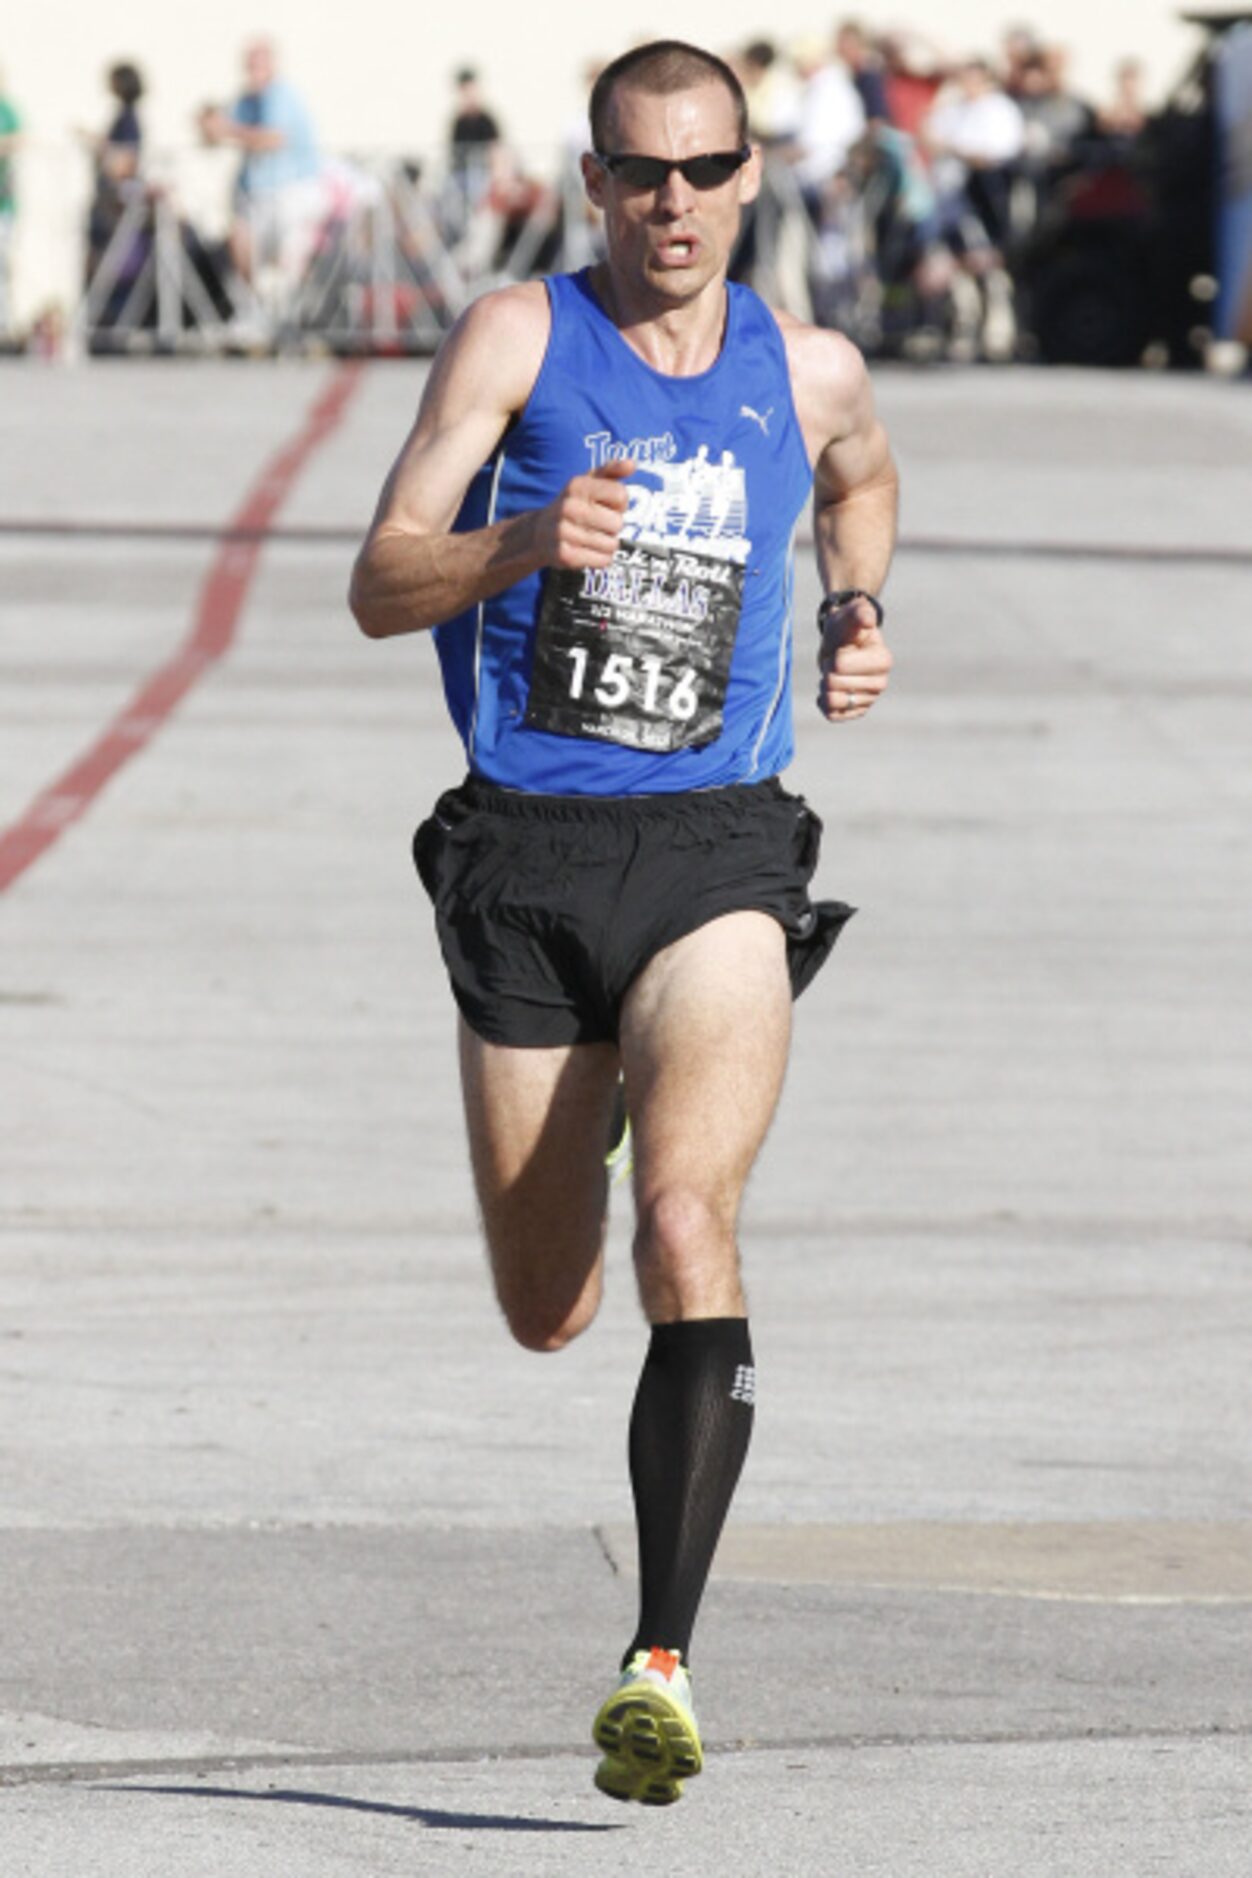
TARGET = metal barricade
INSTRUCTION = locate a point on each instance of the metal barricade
(398, 252)
(389, 264)
(154, 286)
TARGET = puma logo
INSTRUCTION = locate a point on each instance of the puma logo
(745, 410)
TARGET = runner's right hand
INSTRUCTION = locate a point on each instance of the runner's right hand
(581, 528)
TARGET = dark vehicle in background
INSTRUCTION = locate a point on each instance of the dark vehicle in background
(1122, 255)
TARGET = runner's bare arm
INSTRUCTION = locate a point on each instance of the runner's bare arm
(412, 571)
(854, 479)
(855, 501)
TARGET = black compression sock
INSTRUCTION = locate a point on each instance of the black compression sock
(688, 1436)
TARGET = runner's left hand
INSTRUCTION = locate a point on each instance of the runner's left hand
(854, 661)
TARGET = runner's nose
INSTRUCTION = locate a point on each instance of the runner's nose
(675, 195)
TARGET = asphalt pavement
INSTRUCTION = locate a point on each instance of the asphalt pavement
(304, 1569)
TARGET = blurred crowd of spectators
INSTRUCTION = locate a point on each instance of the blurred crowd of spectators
(920, 173)
(902, 174)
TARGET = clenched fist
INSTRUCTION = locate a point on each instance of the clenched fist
(854, 662)
(581, 528)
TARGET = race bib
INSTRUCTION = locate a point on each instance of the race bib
(639, 652)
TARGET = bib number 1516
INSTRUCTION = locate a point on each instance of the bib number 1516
(624, 679)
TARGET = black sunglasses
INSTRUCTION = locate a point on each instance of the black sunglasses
(702, 172)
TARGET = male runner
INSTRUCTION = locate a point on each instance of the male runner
(595, 511)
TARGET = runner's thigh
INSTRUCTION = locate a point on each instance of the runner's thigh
(705, 1033)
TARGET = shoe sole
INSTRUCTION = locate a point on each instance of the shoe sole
(650, 1747)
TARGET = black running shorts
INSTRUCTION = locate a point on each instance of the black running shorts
(549, 907)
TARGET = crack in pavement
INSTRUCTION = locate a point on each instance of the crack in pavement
(73, 1773)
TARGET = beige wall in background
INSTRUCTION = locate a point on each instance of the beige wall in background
(377, 74)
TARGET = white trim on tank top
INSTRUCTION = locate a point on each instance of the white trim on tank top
(482, 611)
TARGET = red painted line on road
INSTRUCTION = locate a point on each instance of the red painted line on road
(212, 634)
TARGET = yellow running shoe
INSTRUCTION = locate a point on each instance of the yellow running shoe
(648, 1732)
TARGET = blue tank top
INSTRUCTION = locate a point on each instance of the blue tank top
(670, 669)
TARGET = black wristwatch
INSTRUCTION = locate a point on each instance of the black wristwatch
(834, 601)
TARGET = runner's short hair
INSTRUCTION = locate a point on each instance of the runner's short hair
(661, 67)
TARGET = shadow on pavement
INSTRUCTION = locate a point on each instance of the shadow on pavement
(423, 1815)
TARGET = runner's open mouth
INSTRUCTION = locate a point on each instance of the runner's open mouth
(678, 250)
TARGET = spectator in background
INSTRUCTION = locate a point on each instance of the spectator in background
(974, 135)
(1019, 45)
(473, 124)
(772, 91)
(10, 138)
(864, 67)
(891, 172)
(1055, 119)
(1126, 114)
(116, 154)
(279, 199)
(830, 120)
(913, 73)
(474, 141)
(763, 255)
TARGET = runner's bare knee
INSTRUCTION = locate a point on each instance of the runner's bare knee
(686, 1258)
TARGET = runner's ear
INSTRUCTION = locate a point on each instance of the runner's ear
(593, 180)
(749, 177)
